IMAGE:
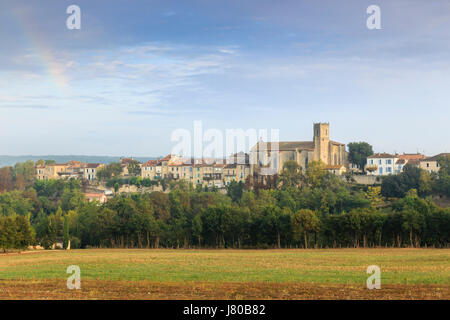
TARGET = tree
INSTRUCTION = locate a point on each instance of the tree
(442, 183)
(358, 153)
(24, 232)
(305, 221)
(66, 237)
(235, 190)
(19, 182)
(290, 175)
(7, 233)
(398, 185)
(6, 183)
(197, 228)
(373, 194)
(134, 168)
(25, 172)
(315, 174)
(113, 169)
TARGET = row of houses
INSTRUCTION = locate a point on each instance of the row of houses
(206, 172)
(382, 164)
(72, 169)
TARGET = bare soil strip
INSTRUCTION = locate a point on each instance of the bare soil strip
(100, 289)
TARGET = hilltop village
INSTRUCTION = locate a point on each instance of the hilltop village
(243, 167)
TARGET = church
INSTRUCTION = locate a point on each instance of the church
(270, 156)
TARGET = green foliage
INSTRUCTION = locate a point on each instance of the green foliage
(442, 183)
(15, 232)
(134, 168)
(305, 221)
(411, 177)
(290, 175)
(358, 153)
(113, 169)
(314, 209)
(235, 190)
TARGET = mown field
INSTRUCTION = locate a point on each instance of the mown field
(227, 274)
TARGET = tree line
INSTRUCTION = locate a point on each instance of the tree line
(304, 210)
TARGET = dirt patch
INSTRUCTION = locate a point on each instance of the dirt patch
(99, 289)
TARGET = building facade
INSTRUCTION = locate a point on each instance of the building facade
(381, 164)
(272, 156)
(431, 164)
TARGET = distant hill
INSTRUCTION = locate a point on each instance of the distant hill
(12, 160)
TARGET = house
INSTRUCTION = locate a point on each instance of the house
(99, 197)
(381, 164)
(205, 172)
(151, 170)
(431, 164)
(50, 171)
(124, 162)
(338, 169)
(72, 169)
(90, 170)
(352, 167)
(237, 168)
(407, 158)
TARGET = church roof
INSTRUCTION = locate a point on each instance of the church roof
(337, 143)
(291, 145)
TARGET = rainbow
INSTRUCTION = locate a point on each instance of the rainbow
(38, 44)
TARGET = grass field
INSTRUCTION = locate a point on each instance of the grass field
(227, 274)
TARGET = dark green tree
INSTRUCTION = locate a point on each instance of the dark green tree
(358, 153)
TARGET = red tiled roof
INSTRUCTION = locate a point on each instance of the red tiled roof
(167, 158)
(93, 165)
(152, 163)
(411, 156)
(94, 195)
(337, 166)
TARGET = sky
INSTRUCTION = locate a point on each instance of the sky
(138, 70)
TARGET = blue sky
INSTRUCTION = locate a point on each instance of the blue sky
(137, 70)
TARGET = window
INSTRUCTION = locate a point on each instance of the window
(379, 161)
(389, 161)
(428, 165)
(371, 161)
(381, 170)
(389, 169)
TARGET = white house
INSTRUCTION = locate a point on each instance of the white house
(381, 164)
(90, 170)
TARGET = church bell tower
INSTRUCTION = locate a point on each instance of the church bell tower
(322, 142)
